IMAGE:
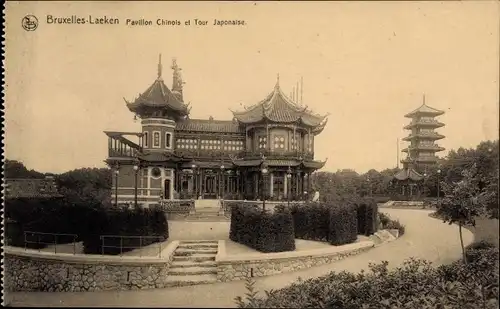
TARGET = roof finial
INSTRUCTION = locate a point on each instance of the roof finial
(159, 67)
(277, 81)
(423, 97)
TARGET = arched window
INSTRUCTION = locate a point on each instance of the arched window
(168, 140)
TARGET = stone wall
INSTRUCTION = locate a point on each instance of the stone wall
(239, 267)
(29, 270)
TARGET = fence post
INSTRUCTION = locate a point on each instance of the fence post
(74, 244)
(25, 241)
(38, 241)
(55, 243)
(102, 245)
(121, 245)
(140, 246)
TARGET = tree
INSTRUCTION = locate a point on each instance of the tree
(17, 170)
(463, 201)
(90, 186)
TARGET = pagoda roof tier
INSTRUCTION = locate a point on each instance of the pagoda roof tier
(276, 107)
(409, 174)
(210, 125)
(424, 110)
(428, 123)
(424, 147)
(422, 135)
(158, 96)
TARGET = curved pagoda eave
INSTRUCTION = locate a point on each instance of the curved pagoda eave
(277, 108)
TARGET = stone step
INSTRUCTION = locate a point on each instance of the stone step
(197, 246)
(172, 281)
(183, 251)
(198, 242)
(190, 264)
(190, 271)
(195, 258)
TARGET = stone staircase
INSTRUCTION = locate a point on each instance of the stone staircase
(207, 211)
(193, 263)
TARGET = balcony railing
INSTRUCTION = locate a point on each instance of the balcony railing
(129, 152)
(424, 147)
(424, 134)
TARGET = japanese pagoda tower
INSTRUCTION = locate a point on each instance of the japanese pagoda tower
(421, 153)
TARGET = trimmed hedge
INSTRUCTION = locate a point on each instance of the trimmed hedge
(367, 211)
(311, 221)
(262, 230)
(343, 225)
(87, 222)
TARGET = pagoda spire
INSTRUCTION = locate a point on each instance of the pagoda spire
(159, 68)
(277, 81)
(177, 81)
(423, 99)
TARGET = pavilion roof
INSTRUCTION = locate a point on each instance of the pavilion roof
(279, 162)
(409, 173)
(159, 96)
(277, 107)
(424, 109)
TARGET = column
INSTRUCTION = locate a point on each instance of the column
(271, 185)
(285, 186)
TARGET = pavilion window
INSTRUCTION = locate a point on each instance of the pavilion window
(146, 139)
(156, 139)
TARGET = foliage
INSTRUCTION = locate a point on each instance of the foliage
(124, 222)
(16, 170)
(311, 221)
(386, 223)
(86, 185)
(343, 225)
(88, 222)
(367, 217)
(415, 284)
(262, 230)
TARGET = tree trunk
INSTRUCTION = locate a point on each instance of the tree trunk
(462, 242)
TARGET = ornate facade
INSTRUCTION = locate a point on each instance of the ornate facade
(266, 151)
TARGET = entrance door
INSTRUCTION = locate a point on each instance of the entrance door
(210, 187)
(167, 189)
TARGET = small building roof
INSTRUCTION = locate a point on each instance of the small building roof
(31, 188)
(276, 107)
(424, 109)
(409, 173)
(209, 125)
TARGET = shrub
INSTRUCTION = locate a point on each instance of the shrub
(367, 217)
(262, 230)
(311, 221)
(388, 224)
(415, 284)
(125, 222)
(343, 225)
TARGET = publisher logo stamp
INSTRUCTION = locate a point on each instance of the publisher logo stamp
(30, 23)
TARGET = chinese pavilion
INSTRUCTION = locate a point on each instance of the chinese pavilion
(266, 151)
(421, 153)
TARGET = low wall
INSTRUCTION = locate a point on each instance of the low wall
(30, 270)
(238, 267)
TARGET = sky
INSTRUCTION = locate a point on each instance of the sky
(365, 63)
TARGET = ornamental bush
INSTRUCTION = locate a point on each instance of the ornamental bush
(125, 222)
(413, 285)
(311, 221)
(264, 231)
(343, 225)
(367, 211)
(387, 223)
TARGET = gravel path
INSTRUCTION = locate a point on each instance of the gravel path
(425, 238)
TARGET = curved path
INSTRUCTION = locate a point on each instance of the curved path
(425, 237)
